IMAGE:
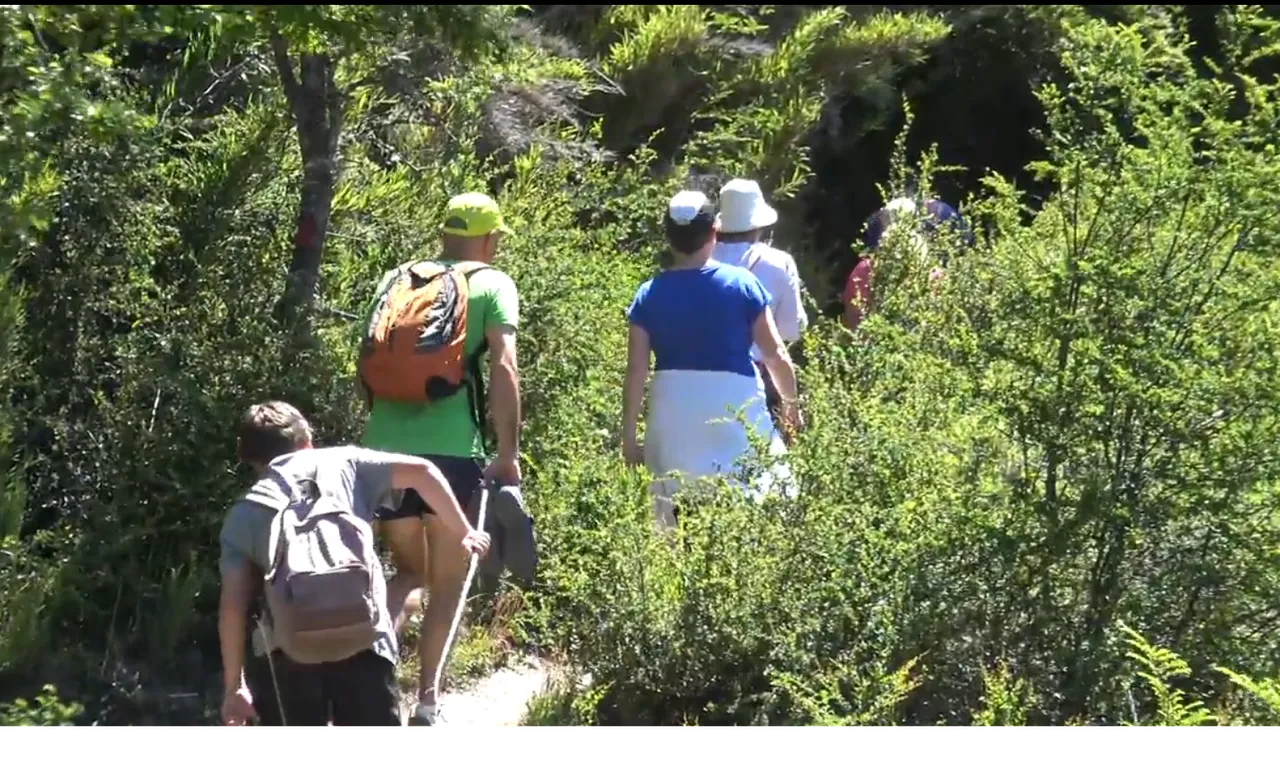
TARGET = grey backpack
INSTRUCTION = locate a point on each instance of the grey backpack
(320, 589)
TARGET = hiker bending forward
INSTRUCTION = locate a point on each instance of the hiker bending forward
(699, 319)
(330, 647)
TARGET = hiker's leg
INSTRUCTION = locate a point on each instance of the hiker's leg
(301, 698)
(446, 570)
(363, 691)
(405, 536)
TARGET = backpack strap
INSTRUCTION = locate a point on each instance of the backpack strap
(474, 377)
(469, 267)
(754, 254)
(280, 525)
(476, 394)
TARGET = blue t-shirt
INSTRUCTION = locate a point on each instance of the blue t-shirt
(701, 319)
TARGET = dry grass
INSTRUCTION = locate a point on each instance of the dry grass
(484, 642)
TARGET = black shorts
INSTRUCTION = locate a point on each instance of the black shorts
(464, 475)
(360, 690)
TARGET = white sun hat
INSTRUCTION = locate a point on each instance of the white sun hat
(742, 207)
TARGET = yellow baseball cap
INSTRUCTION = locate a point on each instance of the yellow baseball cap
(473, 214)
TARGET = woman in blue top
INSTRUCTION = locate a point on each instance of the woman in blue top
(700, 318)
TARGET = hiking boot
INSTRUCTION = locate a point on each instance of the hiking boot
(517, 551)
(425, 714)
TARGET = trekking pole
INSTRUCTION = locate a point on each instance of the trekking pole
(275, 683)
(462, 599)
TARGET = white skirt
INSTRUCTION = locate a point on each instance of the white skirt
(692, 430)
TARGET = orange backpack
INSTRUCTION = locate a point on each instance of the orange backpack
(413, 349)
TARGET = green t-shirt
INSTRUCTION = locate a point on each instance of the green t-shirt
(446, 428)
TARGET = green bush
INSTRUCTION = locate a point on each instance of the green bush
(47, 710)
(1077, 430)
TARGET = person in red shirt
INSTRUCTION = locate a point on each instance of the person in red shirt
(856, 296)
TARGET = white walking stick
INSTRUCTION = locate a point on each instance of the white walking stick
(462, 599)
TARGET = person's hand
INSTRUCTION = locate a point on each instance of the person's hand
(476, 542)
(237, 707)
(633, 452)
(792, 422)
(504, 471)
(935, 279)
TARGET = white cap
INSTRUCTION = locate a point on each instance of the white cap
(742, 207)
(686, 205)
(903, 205)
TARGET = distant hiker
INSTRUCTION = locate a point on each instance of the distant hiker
(857, 295)
(936, 214)
(329, 644)
(745, 217)
(429, 325)
(699, 319)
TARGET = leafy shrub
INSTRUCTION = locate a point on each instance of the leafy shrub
(1076, 429)
(46, 710)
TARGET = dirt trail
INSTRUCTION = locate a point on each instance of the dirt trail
(499, 699)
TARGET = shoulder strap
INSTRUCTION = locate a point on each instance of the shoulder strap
(279, 524)
(426, 269)
(469, 267)
(476, 395)
(754, 254)
(474, 374)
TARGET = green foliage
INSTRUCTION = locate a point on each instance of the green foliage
(767, 106)
(47, 710)
(562, 702)
(1266, 692)
(1004, 699)
(714, 84)
(1076, 428)
(1160, 667)
(1162, 670)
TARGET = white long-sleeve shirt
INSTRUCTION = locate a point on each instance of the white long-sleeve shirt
(776, 270)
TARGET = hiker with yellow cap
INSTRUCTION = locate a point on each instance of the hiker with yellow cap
(430, 323)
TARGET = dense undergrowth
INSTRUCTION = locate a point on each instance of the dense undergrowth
(1075, 436)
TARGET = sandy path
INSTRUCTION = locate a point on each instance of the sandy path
(499, 699)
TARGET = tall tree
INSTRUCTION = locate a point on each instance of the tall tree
(322, 55)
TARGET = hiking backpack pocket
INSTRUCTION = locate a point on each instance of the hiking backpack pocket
(413, 348)
(320, 591)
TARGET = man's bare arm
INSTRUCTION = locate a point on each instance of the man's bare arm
(426, 479)
(637, 377)
(238, 587)
(504, 397)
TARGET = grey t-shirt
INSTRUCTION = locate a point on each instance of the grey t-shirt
(351, 473)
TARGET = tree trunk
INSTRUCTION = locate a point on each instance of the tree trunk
(316, 105)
